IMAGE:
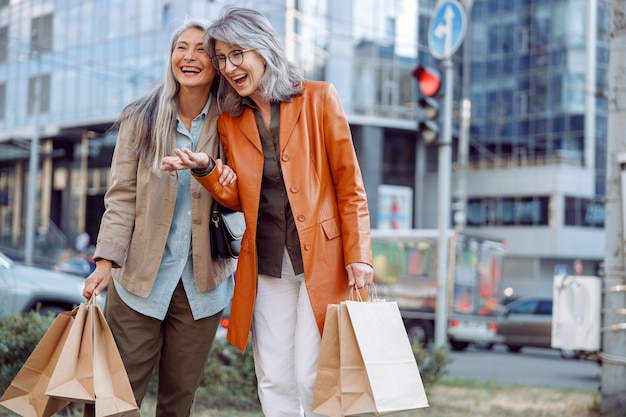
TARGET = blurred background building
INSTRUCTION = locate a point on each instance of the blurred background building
(535, 72)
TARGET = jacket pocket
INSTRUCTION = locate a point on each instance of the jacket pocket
(332, 228)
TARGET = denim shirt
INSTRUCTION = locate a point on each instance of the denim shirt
(176, 262)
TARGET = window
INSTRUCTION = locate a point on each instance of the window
(4, 42)
(44, 94)
(41, 34)
(3, 93)
(167, 15)
(521, 39)
(545, 308)
(528, 307)
(520, 103)
(584, 212)
(508, 211)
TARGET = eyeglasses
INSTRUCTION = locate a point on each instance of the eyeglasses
(235, 57)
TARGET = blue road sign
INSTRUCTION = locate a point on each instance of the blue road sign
(447, 29)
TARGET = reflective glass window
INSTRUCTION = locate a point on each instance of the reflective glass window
(41, 34)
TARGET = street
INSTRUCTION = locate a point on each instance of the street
(531, 367)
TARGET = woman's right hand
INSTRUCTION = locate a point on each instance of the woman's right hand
(99, 279)
(185, 159)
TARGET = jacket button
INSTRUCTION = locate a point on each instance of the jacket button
(196, 221)
(301, 218)
(195, 194)
(285, 157)
(307, 246)
(294, 189)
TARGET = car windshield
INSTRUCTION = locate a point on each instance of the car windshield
(527, 307)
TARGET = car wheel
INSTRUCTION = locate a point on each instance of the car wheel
(418, 333)
(458, 346)
(568, 354)
(513, 349)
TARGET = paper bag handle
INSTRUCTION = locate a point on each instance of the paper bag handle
(356, 294)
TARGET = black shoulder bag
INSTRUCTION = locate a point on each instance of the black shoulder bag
(226, 228)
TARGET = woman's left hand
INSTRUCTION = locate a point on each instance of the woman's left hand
(360, 274)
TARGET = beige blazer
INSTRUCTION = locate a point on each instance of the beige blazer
(139, 206)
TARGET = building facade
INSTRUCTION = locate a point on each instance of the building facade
(538, 133)
(534, 72)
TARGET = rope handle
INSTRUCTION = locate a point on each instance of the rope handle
(370, 291)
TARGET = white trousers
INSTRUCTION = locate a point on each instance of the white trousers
(286, 344)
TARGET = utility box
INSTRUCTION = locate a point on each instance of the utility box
(576, 313)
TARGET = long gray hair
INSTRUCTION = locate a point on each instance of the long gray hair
(151, 120)
(249, 29)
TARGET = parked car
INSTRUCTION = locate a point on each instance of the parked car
(482, 333)
(26, 288)
(76, 266)
(526, 322)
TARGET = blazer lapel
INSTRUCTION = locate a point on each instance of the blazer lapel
(246, 124)
(289, 116)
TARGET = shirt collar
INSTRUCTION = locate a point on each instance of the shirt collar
(248, 102)
(203, 112)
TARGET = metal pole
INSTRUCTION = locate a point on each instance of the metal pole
(33, 168)
(445, 158)
(613, 355)
(460, 212)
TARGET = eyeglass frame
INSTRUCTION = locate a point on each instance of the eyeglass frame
(220, 59)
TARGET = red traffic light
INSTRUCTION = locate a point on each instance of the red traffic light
(428, 79)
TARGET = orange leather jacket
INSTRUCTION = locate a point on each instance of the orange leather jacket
(326, 193)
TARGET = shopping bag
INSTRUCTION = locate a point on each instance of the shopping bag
(72, 378)
(327, 392)
(379, 373)
(26, 395)
(113, 392)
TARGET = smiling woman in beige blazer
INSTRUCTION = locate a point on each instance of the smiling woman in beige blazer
(167, 294)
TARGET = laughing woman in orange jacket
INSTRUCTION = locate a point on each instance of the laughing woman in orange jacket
(307, 239)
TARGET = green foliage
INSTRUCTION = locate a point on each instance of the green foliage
(229, 379)
(19, 335)
(228, 382)
(431, 362)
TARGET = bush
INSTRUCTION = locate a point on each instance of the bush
(431, 362)
(19, 335)
(229, 379)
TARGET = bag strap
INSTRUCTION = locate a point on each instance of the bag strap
(215, 205)
(371, 293)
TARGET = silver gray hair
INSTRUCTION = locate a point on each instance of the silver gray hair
(249, 29)
(151, 120)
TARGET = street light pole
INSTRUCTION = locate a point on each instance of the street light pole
(33, 169)
(445, 34)
(443, 218)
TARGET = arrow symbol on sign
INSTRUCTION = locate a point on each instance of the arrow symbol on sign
(445, 29)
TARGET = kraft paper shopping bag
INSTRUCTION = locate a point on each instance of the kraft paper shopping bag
(26, 395)
(327, 392)
(114, 395)
(72, 378)
(356, 393)
(379, 373)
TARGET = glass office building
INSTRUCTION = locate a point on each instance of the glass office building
(534, 71)
(538, 128)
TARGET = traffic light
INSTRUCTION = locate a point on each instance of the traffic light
(429, 83)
